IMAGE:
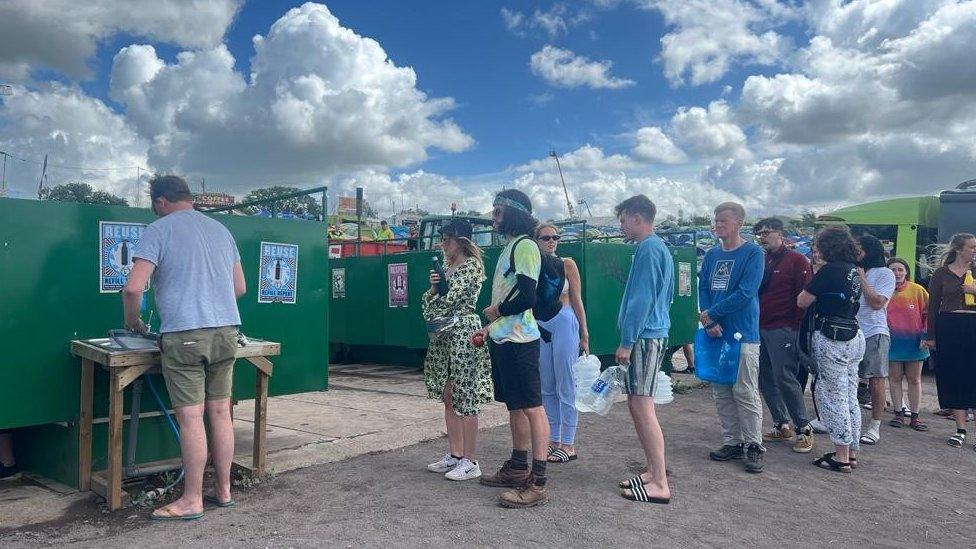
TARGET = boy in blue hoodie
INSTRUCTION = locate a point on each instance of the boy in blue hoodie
(644, 322)
(728, 296)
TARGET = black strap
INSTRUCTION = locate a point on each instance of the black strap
(511, 259)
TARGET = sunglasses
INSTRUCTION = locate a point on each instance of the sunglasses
(550, 238)
(765, 232)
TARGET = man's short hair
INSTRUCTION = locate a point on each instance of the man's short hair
(639, 205)
(171, 187)
(383, 222)
(733, 207)
(770, 223)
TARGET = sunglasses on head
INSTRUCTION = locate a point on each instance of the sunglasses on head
(551, 238)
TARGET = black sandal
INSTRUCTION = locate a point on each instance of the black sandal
(827, 461)
(560, 456)
(639, 494)
(957, 440)
(624, 484)
(853, 461)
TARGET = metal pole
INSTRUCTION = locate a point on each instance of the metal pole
(4, 178)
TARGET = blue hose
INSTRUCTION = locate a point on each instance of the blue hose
(169, 419)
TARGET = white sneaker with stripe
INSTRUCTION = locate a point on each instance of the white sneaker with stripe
(465, 470)
(445, 464)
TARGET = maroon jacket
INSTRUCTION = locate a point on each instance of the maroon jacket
(787, 273)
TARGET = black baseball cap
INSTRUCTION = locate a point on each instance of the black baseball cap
(457, 227)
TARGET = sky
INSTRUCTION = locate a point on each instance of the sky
(785, 106)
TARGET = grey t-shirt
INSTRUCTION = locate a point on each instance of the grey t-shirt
(875, 321)
(194, 277)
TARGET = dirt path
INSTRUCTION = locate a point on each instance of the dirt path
(911, 491)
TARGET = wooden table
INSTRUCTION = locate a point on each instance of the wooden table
(124, 367)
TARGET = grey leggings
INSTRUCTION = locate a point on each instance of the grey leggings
(836, 388)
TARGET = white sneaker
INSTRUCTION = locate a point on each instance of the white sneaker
(465, 470)
(446, 463)
(818, 426)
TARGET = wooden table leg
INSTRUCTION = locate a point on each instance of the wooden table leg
(260, 422)
(114, 495)
(85, 424)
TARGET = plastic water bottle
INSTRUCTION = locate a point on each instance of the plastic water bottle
(663, 389)
(586, 370)
(439, 269)
(601, 394)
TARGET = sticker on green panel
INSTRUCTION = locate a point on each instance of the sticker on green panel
(338, 283)
(278, 275)
(397, 273)
(116, 243)
(684, 278)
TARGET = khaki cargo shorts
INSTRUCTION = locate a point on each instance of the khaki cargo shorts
(198, 364)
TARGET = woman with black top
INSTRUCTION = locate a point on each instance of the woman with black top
(837, 344)
(952, 330)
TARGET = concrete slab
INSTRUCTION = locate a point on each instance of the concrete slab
(322, 419)
(411, 406)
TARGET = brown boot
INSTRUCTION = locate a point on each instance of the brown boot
(507, 477)
(530, 496)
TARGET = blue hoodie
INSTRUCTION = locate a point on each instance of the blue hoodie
(646, 305)
(728, 288)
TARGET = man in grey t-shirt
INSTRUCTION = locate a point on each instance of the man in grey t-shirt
(197, 277)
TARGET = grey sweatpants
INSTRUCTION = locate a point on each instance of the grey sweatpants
(739, 405)
(779, 366)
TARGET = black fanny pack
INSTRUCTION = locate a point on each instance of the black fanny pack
(837, 328)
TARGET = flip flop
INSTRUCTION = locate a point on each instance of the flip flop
(868, 439)
(560, 456)
(624, 484)
(172, 515)
(639, 494)
(214, 501)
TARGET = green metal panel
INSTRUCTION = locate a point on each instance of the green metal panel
(50, 295)
(364, 319)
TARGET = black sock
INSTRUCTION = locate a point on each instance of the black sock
(960, 431)
(539, 471)
(459, 458)
(520, 459)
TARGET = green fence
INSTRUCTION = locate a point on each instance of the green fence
(362, 316)
(49, 265)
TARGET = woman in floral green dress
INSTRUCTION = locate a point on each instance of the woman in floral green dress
(456, 372)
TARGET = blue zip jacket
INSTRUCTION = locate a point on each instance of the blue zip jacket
(646, 305)
(728, 288)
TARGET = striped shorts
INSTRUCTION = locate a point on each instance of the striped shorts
(645, 360)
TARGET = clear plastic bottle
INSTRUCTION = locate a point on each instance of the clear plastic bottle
(601, 394)
(586, 370)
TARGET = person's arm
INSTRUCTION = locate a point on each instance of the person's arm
(802, 274)
(805, 299)
(636, 303)
(935, 303)
(240, 285)
(576, 301)
(809, 294)
(752, 274)
(875, 297)
(135, 285)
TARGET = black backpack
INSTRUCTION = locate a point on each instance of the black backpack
(552, 278)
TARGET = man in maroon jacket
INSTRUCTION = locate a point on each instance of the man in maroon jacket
(787, 273)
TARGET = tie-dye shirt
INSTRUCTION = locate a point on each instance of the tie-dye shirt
(520, 328)
(906, 321)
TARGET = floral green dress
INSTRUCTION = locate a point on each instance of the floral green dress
(452, 356)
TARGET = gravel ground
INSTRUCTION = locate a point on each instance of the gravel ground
(911, 490)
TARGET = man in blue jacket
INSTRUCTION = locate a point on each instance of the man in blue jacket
(644, 322)
(728, 296)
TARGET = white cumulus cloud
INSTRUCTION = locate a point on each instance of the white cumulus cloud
(320, 100)
(654, 146)
(565, 69)
(63, 35)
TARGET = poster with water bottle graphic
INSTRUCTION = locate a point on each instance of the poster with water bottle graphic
(278, 277)
(116, 243)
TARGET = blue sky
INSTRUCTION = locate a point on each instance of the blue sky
(783, 105)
